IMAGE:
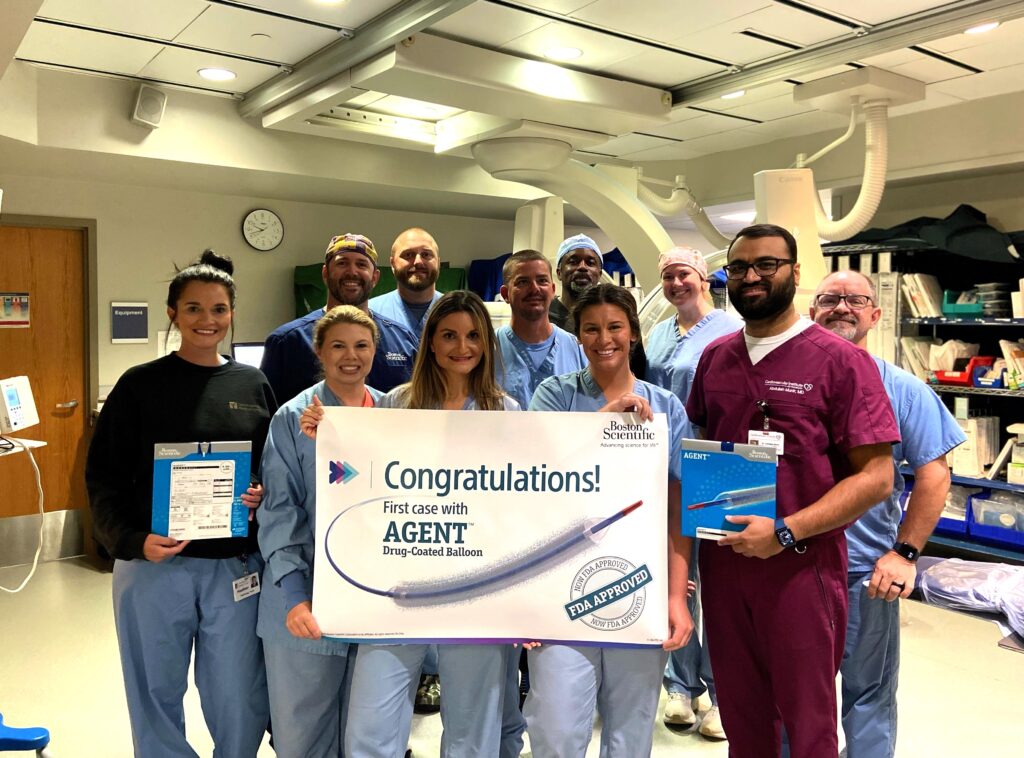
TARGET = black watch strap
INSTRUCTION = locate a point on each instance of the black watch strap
(784, 534)
(906, 551)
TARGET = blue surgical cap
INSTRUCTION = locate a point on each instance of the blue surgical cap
(575, 243)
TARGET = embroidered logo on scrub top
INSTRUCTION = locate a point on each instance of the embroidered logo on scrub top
(790, 388)
(396, 358)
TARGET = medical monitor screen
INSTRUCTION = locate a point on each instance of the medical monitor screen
(249, 353)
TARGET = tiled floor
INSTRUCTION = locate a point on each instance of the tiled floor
(960, 694)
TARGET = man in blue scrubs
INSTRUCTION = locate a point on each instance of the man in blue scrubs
(350, 273)
(416, 265)
(881, 550)
(532, 348)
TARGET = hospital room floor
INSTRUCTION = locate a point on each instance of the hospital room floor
(960, 694)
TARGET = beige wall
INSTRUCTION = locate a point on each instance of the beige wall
(143, 232)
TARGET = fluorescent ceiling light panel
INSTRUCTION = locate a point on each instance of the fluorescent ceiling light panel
(563, 53)
(746, 217)
(216, 74)
(734, 95)
(982, 28)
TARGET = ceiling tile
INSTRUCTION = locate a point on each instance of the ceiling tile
(663, 20)
(933, 99)
(565, 7)
(232, 30)
(1000, 81)
(1008, 30)
(706, 123)
(722, 141)
(84, 49)
(685, 113)
(724, 42)
(893, 58)
(794, 25)
(161, 19)
(677, 151)
(1006, 51)
(823, 73)
(929, 70)
(798, 125)
(490, 25)
(769, 110)
(876, 11)
(599, 50)
(630, 143)
(662, 68)
(180, 66)
(351, 14)
(755, 95)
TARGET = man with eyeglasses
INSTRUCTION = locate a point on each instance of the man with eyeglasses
(775, 593)
(882, 551)
(416, 265)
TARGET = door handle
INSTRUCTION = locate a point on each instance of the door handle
(69, 404)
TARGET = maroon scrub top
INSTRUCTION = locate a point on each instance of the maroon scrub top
(822, 392)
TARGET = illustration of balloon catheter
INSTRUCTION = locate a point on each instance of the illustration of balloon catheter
(513, 569)
(738, 498)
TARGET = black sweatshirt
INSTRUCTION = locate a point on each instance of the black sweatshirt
(169, 400)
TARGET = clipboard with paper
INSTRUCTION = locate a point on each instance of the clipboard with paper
(198, 487)
(722, 479)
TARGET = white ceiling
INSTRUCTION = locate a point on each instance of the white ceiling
(664, 44)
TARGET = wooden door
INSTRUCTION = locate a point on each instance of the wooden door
(49, 264)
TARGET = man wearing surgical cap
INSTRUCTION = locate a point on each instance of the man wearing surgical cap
(349, 273)
(673, 348)
(578, 266)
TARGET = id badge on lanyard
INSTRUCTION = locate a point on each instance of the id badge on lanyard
(765, 436)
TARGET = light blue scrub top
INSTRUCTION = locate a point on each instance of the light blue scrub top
(672, 357)
(520, 373)
(390, 305)
(579, 392)
(287, 520)
(929, 431)
(396, 399)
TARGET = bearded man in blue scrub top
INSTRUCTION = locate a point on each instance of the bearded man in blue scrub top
(882, 551)
(532, 348)
(416, 265)
(350, 273)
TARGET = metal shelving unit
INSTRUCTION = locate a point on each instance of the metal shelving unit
(959, 389)
(964, 321)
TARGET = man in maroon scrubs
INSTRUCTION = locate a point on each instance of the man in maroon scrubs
(775, 594)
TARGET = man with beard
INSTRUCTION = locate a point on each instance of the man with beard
(350, 273)
(882, 551)
(532, 348)
(416, 265)
(774, 593)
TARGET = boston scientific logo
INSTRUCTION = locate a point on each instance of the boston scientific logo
(342, 472)
(616, 430)
(608, 593)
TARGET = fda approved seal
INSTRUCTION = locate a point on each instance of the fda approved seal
(608, 593)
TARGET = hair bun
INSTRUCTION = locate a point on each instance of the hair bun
(222, 262)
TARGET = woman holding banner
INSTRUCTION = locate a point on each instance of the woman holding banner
(567, 682)
(307, 675)
(454, 370)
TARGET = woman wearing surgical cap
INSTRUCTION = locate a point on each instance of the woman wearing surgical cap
(454, 370)
(673, 348)
(307, 674)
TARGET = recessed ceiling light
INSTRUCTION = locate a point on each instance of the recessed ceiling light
(982, 28)
(745, 216)
(563, 53)
(259, 37)
(734, 95)
(330, 2)
(217, 74)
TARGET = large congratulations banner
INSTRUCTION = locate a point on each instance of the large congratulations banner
(451, 526)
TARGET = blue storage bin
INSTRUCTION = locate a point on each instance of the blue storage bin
(992, 534)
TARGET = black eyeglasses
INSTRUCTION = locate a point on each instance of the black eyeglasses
(828, 301)
(762, 267)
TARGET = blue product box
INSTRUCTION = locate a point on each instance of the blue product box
(722, 479)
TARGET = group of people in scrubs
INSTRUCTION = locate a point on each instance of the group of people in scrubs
(774, 593)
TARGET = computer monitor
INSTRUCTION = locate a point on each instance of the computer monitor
(249, 353)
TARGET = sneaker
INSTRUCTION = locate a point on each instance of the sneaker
(711, 725)
(679, 710)
(428, 695)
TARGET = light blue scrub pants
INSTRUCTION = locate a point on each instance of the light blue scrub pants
(308, 700)
(160, 611)
(567, 683)
(689, 668)
(474, 680)
(870, 670)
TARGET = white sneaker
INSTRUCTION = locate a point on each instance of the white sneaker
(711, 725)
(679, 710)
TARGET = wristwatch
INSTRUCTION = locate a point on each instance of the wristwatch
(906, 551)
(783, 533)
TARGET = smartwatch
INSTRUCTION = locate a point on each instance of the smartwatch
(906, 551)
(783, 533)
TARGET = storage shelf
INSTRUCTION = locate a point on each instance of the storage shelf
(957, 389)
(967, 481)
(967, 321)
(975, 548)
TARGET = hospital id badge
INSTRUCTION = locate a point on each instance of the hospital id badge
(247, 586)
(772, 439)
